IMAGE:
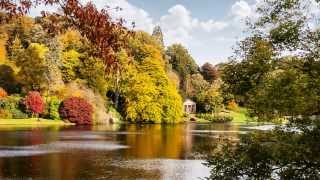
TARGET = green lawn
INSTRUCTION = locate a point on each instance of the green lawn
(32, 122)
(240, 116)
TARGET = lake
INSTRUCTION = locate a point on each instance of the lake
(111, 151)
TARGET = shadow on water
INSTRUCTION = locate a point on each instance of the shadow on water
(111, 151)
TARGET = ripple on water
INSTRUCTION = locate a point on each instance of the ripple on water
(57, 147)
(23, 153)
(218, 131)
(262, 128)
(169, 168)
(85, 145)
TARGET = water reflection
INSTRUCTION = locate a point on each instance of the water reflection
(110, 152)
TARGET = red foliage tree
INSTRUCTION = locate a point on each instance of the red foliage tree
(106, 35)
(76, 110)
(34, 103)
(3, 93)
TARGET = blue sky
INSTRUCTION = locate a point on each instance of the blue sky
(208, 28)
(204, 9)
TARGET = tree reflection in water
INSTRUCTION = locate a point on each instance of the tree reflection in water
(287, 152)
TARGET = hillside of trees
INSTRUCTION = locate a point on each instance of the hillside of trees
(66, 64)
(123, 74)
(82, 52)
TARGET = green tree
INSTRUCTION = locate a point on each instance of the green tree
(182, 63)
(209, 72)
(241, 78)
(33, 66)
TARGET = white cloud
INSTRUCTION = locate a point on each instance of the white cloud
(211, 25)
(241, 9)
(180, 27)
(209, 39)
(129, 12)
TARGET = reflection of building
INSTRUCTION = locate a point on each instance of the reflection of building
(189, 106)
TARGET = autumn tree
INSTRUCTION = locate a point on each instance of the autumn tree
(107, 36)
(34, 103)
(33, 67)
(209, 72)
(76, 110)
(182, 63)
(145, 72)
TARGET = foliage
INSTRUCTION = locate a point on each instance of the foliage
(275, 86)
(210, 100)
(195, 85)
(33, 67)
(34, 103)
(284, 92)
(271, 84)
(209, 72)
(53, 108)
(105, 35)
(59, 54)
(160, 101)
(3, 93)
(241, 78)
(283, 153)
(70, 64)
(70, 55)
(10, 107)
(233, 106)
(91, 69)
(182, 63)
(76, 110)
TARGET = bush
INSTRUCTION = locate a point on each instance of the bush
(76, 110)
(34, 103)
(3, 93)
(233, 106)
(11, 108)
(5, 114)
(215, 118)
(53, 108)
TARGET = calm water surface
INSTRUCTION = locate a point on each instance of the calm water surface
(111, 152)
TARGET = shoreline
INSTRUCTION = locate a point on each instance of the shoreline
(33, 122)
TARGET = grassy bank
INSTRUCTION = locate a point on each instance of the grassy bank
(33, 122)
(239, 116)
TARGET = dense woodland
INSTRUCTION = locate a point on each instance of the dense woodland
(82, 52)
(139, 80)
(81, 59)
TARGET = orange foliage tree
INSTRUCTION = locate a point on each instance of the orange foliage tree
(3, 93)
(106, 35)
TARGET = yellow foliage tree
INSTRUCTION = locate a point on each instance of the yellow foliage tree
(33, 67)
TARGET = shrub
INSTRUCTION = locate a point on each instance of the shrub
(76, 110)
(3, 93)
(34, 103)
(215, 118)
(233, 106)
(5, 114)
(53, 108)
(11, 108)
